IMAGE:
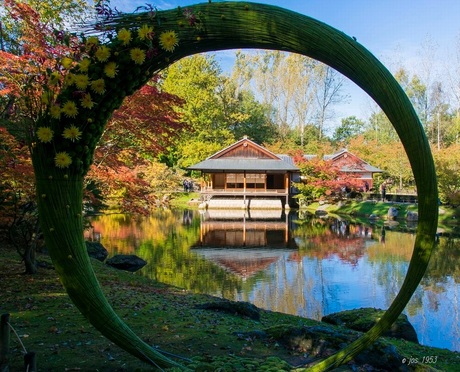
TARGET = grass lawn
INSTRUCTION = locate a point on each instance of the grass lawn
(182, 200)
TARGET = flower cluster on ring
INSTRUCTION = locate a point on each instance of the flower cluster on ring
(145, 32)
(87, 79)
(124, 36)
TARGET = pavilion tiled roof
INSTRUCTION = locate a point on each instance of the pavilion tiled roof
(225, 160)
(242, 164)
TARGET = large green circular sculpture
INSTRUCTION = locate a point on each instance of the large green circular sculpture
(132, 58)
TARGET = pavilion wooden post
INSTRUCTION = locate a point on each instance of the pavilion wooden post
(286, 190)
(244, 189)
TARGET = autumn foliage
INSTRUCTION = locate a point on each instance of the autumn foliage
(321, 179)
(33, 70)
(16, 185)
(126, 166)
(36, 69)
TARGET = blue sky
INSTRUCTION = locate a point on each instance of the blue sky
(393, 30)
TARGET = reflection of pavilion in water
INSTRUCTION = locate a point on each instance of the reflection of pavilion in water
(245, 242)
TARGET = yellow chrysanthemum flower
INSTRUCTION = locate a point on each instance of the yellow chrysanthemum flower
(84, 64)
(169, 40)
(124, 36)
(145, 32)
(62, 160)
(92, 40)
(102, 53)
(72, 133)
(87, 102)
(137, 55)
(67, 62)
(69, 109)
(110, 69)
(44, 134)
(98, 86)
(81, 81)
(54, 78)
(55, 111)
(69, 79)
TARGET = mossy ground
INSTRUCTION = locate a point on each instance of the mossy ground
(47, 323)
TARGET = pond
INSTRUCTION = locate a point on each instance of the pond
(295, 264)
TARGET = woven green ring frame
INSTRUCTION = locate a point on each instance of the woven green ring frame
(223, 26)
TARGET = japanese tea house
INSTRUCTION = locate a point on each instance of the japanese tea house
(246, 175)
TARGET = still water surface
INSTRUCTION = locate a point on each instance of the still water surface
(293, 264)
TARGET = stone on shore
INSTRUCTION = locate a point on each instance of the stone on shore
(129, 262)
(96, 250)
(365, 318)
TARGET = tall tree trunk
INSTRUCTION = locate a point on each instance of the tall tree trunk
(29, 259)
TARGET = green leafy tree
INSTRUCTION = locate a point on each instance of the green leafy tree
(350, 127)
(379, 128)
(244, 115)
(196, 80)
(447, 162)
(216, 110)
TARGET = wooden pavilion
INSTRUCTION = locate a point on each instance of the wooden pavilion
(246, 175)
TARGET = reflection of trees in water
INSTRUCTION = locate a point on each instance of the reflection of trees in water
(445, 259)
(389, 257)
(292, 288)
(163, 239)
(302, 281)
(123, 233)
(442, 273)
(324, 238)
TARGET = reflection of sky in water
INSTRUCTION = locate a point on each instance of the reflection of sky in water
(439, 318)
(316, 287)
(330, 285)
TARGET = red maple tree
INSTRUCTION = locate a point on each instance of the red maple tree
(125, 163)
(322, 179)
